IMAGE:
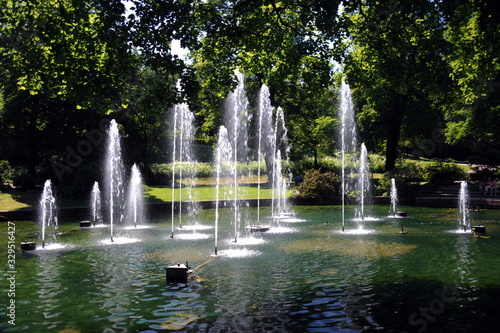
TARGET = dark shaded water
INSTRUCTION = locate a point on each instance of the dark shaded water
(302, 277)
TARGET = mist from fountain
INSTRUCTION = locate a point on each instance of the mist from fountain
(135, 198)
(47, 211)
(113, 177)
(347, 139)
(95, 204)
(394, 198)
(463, 207)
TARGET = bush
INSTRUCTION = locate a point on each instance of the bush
(5, 172)
(22, 180)
(483, 172)
(443, 173)
(162, 173)
(318, 185)
(327, 164)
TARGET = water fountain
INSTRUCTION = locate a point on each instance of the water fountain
(183, 161)
(280, 205)
(95, 204)
(237, 119)
(113, 177)
(95, 207)
(174, 162)
(47, 211)
(463, 207)
(348, 141)
(364, 184)
(135, 198)
(393, 211)
(265, 135)
(394, 198)
(223, 154)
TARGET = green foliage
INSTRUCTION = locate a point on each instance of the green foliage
(376, 162)
(22, 180)
(318, 185)
(5, 172)
(334, 164)
(330, 164)
(443, 173)
(393, 67)
(286, 45)
(162, 173)
(404, 174)
(483, 172)
(415, 67)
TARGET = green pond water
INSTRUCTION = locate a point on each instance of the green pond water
(301, 276)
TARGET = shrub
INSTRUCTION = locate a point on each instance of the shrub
(22, 180)
(318, 185)
(483, 172)
(5, 172)
(443, 173)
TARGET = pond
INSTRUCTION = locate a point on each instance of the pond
(304, 275)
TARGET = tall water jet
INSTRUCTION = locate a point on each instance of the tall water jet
(463, 207)
(281, 148)
(95, 204)
(183, 161)
(135, 197)
(223, 155)
(265, 136)
(347, 138)
(237, 120)
(394, 198)
(174, 162)
(113, 176)
(47, 210)
(364, 183)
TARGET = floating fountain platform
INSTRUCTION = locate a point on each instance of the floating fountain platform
(479, 230)
(258, 228)
(85, 224)
(177, 273)
(401, 214)
(28, 246)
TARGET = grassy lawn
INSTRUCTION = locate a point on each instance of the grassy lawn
(252, 179)
(13, 200)
(203, 193)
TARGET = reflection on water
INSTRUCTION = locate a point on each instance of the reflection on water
(305, 277)
(48, 289)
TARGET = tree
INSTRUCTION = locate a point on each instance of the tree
(472, 109)
(62, 65)
(396, 66)
(148, 97)
(288, 45)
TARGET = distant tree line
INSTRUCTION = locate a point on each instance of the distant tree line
(424, 74)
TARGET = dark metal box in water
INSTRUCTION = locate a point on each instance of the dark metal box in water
(177, 273)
